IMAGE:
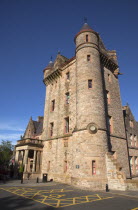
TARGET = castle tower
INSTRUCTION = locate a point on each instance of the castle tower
(83, 120)
(90, 92)
(91, 122)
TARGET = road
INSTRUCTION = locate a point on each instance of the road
(61, 196)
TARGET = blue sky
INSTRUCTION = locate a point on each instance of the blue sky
(33, 30)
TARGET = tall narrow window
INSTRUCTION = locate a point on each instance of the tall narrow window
(135, 140)
(67, 125)
(109, 78)
(136, 165)
(67, 97)
(131, 140)
(93, 167)
(110, 124)
(90, 83)
(65, 166)
(88, 57)
(48, 166)
(51, 129)
(108, 97)
(68, 76)
(52, 105)
(131, 164)
(86, 37)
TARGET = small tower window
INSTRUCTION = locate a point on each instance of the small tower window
(65, 166)
(88, 57)
(131, 140)
(51, 129)
(52, 105)
(48, 166)
(67, 125)
(109, 78)
(68, 76)
(110, 124)
(135, 140)
(86, 37)
(108, 97)
(90, 83)
(93, 167)
(67, 97)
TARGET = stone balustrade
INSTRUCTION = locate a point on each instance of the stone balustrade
(29, 141)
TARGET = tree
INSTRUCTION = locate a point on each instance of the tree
(6, 151)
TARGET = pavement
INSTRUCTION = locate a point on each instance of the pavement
(51, 195)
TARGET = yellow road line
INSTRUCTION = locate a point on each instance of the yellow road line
(87, 199)
(98, 196)
(58, 203)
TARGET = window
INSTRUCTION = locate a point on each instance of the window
(131, 164)
(67, 125)
(67, 97)
(86, 37)
(135, 140)
(93, 167)
(51, 129)
(52, 105)
(48, 166)
(90, 83)
(131, 123)
(88, 57)
(110, 124)
(107, 97)
(65, 166)
(131, 140)
(136, 165)
(68, 76)
(109, 78)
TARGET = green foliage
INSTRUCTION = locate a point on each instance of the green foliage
(6, 151)
(21, 169)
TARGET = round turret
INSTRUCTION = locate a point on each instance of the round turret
(90, 94)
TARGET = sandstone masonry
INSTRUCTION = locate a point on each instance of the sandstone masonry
(87, 139)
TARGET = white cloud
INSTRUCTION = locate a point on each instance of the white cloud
(7, 127)
(11, 137)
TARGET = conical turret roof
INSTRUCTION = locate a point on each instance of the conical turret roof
(85, 28)
(49, 66)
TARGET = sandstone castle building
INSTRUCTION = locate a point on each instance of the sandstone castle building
(86, 138)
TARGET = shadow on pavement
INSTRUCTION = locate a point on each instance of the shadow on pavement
(16, 202)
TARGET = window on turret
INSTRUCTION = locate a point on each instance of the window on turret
(107, 97)
(86, 37)
(68, 76)
(67, 125)
(67, 97)
(93, 167)
(65, 166)
(110, 124)
(131, 140)
(52, 105)
(88, 57)
(51, 129)
(109, 78)
(48, 166)
(90, 83)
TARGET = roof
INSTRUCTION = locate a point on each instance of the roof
(85, 28)
(49, 66)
